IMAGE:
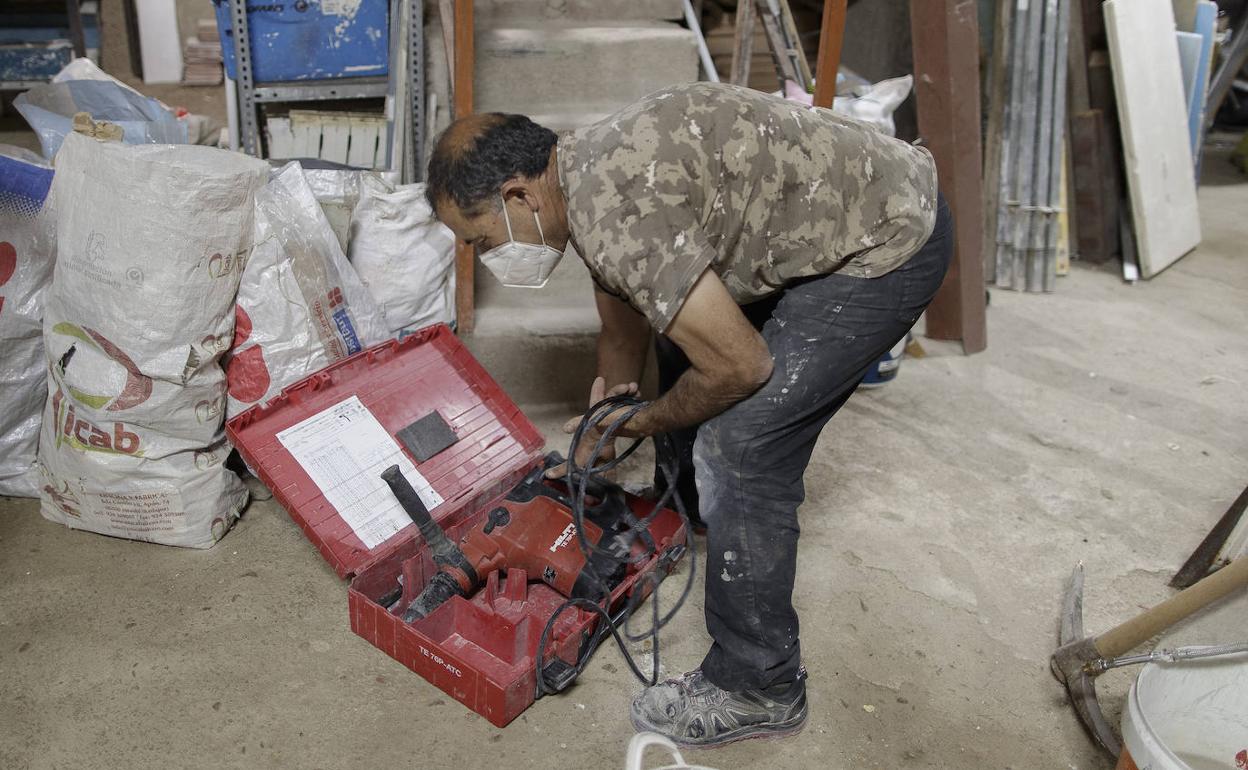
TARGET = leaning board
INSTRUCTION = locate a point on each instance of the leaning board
(1152, 112)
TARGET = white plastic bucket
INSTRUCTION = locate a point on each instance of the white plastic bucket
(1189, 716)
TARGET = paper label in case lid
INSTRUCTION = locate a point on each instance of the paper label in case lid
(344, 449)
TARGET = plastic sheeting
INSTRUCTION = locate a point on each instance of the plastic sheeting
(82, 87)
(301, 305)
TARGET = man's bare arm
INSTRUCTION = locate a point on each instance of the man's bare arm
(623, 342)
(728, 360)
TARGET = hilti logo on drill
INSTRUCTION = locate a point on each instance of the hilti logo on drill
(564, 538)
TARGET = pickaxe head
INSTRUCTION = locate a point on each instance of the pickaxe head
(1070, 664)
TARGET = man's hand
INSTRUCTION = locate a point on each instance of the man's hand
(597, 392)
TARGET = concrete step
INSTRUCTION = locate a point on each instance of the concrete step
(543, 69)
(493, 11)
(536, 371)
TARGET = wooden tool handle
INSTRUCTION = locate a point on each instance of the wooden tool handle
(1136, 631)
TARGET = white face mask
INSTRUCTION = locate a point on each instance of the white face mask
(522, 265)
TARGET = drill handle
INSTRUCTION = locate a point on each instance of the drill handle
(445, 552)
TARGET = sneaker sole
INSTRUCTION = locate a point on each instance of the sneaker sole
(753, 732)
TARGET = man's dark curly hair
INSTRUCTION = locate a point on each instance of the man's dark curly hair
(471, 170)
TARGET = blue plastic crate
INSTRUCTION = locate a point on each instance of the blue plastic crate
(311, 39)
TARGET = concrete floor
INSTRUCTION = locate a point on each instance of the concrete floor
(944, 512)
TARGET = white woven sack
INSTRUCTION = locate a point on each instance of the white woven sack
(27, 251)
(301, 305)
(138, 316)
(403, 254)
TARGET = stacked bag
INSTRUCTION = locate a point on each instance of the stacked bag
(175, 286)
(26, 257)
(139, 314)
(303, 305)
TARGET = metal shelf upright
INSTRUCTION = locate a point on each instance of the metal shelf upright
(406, 19)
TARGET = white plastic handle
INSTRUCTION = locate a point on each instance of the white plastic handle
(642, 741)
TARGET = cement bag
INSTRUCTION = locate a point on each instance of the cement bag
(405, 257)
(301, 306)
(27, 252)
(138, 315)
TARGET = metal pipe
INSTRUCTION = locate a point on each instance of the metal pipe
(1037, 217)
(1025, 183)
(1008, 199)
(1175, 655)
(704, 53)
(1060, 85)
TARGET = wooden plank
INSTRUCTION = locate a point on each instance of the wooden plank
(1095, 227)
(1113, 185)
(1091, 233)
(797, 51)
(73, 10)
(462, 75)
(831, 43)
(1152, 119)
(945, 36)
(446, 14)
(1065, 215)
(742, 44)
(786, 68)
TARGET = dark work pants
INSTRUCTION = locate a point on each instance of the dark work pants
(748, 462)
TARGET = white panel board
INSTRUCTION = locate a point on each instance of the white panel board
(335, 137)
(1152, 111)
(281, 139)
(160, 46)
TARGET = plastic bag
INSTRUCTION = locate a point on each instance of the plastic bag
(873, 103)
(301, 305)
(338, 192)
(403, 254)
(138, 315)
(26, 256)
(49, 108)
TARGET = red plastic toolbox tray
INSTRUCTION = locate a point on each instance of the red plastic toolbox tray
(399, 382)
(479, 650)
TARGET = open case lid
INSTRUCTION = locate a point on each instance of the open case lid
(317, 428)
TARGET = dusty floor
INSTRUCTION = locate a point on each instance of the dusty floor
(1105, 423)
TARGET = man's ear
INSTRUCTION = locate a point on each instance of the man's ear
(523, 189)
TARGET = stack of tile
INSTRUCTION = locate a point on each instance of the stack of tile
(202, 56)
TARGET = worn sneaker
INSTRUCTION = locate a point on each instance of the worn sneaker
(693, 712)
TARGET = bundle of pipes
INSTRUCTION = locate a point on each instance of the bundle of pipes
(1032, 144)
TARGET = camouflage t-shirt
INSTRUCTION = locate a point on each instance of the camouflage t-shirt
(761, 190)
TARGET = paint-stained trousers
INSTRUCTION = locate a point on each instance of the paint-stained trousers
(748, 462)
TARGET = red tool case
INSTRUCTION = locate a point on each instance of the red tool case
(481, 650)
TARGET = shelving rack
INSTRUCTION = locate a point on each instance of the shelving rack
(72, 21)
(406, 26)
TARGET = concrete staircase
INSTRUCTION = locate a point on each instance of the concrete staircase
(565, 63)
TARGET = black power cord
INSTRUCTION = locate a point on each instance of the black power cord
(579, 479)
